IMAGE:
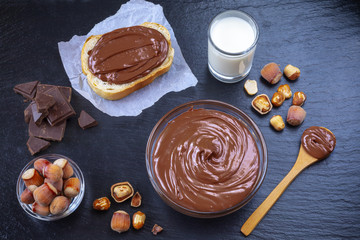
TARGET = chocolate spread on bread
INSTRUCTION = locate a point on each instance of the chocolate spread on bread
(206, 160)
(127, 54)
(318, 142)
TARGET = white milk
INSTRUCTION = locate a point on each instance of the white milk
(233, 36)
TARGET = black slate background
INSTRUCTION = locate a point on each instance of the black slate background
(322, 38)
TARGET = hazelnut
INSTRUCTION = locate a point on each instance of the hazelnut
(251, 87)
(299, 98)
(53, 172)
(138, 220)
(291, 72)
(68, 171)
(122, 191)
(120, 221)
(101, 204)
(32, 177)
(262, 104)
(156, 229)
(45, 194)
(285, 89)
(277, 99)
(27, 197)
(72, 187)
(277, 122)
(40, 209)
(136, 200)
(271, 73)
(40, 164)
(58, 184)
(296, 115)
(59, 205)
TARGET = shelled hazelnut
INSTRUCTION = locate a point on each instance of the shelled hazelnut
(251, 87)
(101, 204)
(299, 98)
(262, 104)
(285, 89)
(138, 220)
(120, 221)
(277, 122)
(53, 172)
(291, 72)
(278, 99)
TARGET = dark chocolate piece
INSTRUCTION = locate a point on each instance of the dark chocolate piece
(28, 113)
(27, 90)
(66, 91)
(86, 121)
(45, 131)
(37, 116)
(36, 145)
(44, 102)
(61, 110)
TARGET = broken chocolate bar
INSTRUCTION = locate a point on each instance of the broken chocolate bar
(36, 145)
(44, 102)
(66, 91)
(27, 90)
(61, 110)
(37, 116)
(28, 113)
(45, 131)
(86, 121)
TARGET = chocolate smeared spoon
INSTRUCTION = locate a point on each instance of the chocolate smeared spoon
(316, 143)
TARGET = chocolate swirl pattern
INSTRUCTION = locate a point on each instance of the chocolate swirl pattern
(127, 54)
(206, 160)
(319, 142)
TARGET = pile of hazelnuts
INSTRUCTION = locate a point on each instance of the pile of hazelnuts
(50, 187)
(262, 103)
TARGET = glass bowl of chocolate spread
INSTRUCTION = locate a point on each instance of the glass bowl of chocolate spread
(206, 158)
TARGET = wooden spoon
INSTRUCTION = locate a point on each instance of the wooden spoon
(303, 161)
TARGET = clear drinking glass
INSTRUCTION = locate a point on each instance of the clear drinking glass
(232, 39)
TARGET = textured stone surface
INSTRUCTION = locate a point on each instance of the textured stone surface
(319, 37)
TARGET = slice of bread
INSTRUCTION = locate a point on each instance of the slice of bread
(117, 91)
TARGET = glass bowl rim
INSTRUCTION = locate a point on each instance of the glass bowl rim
(247, 119)
(75, 202)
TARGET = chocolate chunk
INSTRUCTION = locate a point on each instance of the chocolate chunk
(36, 145)
(44, 102)
(61, 110)
(37, 116)
(45, 131)
(66, 91)
(86, 121)
(27, 90)
(28, 113)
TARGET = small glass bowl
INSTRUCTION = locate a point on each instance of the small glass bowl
(213, 105)
(20, 187)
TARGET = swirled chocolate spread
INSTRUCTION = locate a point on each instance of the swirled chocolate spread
(206, 160)
(127, 54)
(318, 142)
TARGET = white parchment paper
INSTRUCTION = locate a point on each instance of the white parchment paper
(134, 12)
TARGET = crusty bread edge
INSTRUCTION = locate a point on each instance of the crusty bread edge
(115, 94)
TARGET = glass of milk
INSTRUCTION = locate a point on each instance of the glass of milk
(232, 39)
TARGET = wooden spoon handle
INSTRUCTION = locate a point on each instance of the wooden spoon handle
(261, 211)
